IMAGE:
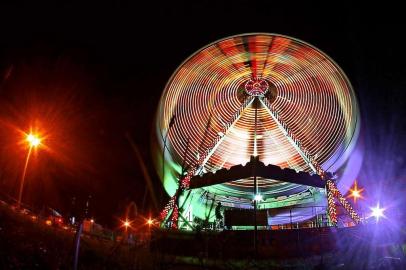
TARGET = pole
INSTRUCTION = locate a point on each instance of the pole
(290, 214)
(255, 180)
(77, 245)
(20, 193)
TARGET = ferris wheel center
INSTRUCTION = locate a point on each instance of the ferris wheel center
(256, 87)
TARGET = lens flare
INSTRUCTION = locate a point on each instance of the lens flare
(33, 140)
(356, 192)
(258, 197)
(377, 212)
(150, 221)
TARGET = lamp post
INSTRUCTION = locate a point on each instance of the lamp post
(257, 197)
(33, 142)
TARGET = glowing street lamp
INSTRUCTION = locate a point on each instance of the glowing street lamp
(150, 222)
(126, 224)
(33, 141)
(356, 193)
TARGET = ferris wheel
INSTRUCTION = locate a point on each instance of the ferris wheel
(263, 95)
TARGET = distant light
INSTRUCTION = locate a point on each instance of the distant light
(150, 221)
(33, 140)
(377, 212)
(356, 193)
(258, 197)
(92, 221)
(126, 223)
(48, 222)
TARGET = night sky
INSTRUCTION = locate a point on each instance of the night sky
(87, 74)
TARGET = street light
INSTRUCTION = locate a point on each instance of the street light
(356, 193)
(126, 224)
(33, 141)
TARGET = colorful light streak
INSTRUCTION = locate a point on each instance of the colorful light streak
(311, 94)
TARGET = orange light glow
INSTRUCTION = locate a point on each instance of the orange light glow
(356, 193)
(48, 222)
(150, 221)
(126, 223)
(33, 140)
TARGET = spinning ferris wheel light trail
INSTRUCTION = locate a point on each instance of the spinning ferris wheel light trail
(263, 95)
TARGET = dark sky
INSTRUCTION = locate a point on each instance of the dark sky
(92, 72)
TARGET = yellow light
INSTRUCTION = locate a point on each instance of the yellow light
(356, 192)
(126, 223)
(48, 222)
(150, 221)
(33, 140)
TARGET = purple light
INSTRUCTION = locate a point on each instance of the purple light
(377, 212)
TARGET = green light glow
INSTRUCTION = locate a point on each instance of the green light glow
(214, 128)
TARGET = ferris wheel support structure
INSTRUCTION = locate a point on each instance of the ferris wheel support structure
(172, 207)
(331, 187)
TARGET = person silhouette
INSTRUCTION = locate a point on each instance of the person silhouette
(219, 216)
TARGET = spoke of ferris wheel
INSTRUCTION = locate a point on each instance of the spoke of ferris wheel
(221, 138)
(237, 116)
(331, 183)
(287, 136)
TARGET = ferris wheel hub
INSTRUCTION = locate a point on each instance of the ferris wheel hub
(256, 87)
